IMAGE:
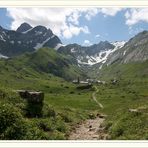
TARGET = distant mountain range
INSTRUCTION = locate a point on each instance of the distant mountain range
(26, 39)
(88, 56)
(29, 39)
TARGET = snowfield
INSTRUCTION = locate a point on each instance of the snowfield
(100, 57)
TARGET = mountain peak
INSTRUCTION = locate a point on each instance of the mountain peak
(27, 39)
(144, 32)
(24, 27)
(41, 28)
(103, 42)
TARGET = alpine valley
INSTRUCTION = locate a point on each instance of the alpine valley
(52, 91)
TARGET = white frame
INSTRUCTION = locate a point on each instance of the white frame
(69, 143)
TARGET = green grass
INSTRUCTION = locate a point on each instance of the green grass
(65, 105)
(130, 92)
(70, 106)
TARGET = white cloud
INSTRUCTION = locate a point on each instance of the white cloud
(71, 30)
(87, 43)
(91, 13)
(64, 22)
(110, 11)
(74, 18)
(135, 15)
(104, 11)
(97, 36)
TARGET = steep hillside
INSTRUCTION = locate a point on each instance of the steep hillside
(45, 60)
(133, 54)
(129, 71)
(125, 94)
(136, 49)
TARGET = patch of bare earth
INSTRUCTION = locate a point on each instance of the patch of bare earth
(90, 129)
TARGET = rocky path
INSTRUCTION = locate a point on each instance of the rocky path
(90, 129)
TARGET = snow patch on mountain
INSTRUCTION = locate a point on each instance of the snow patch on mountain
(12, 42)
(38, 32)
(58, 46)
(72, 50)
(40, 45)
(100, 57)
(118, 44)
(2, 56)
(97, 58)
(27, 31)
(1, 38)
(52, 36)
(124, 52)
(19, 42)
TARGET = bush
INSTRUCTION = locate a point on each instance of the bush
(58, 136)
(130, 125)
(14, 127)
(8, 116)
(46, 125)
(66, 117)
(60, 125)
(48, 111)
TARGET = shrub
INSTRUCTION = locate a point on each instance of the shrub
(48, 111)
(46, 125)
(60, 125)
(12, 124)
(58, 136)
(14, 127)
(66, 117)
(8, 116)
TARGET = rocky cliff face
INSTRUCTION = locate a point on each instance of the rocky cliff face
(26, 39)
(136, 49)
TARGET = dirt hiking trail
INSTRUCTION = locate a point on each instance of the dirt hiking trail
(95, 99)
(90, 129)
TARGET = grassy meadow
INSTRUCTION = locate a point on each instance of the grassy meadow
(65, 106)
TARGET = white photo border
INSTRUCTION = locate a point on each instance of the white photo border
(72, 143)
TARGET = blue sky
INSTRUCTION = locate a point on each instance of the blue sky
(5, 21)
(83, 26)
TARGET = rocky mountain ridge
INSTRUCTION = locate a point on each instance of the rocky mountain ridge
(135, 50)
(29, 39)
(26, 39)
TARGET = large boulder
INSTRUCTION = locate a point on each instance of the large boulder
(32, 96)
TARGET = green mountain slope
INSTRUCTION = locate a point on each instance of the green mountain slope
(125, 100)
(133, 70)
(135, 50)
(64, 105)
(125, 95)
(45, 60)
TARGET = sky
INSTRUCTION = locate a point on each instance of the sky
(85, 26)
